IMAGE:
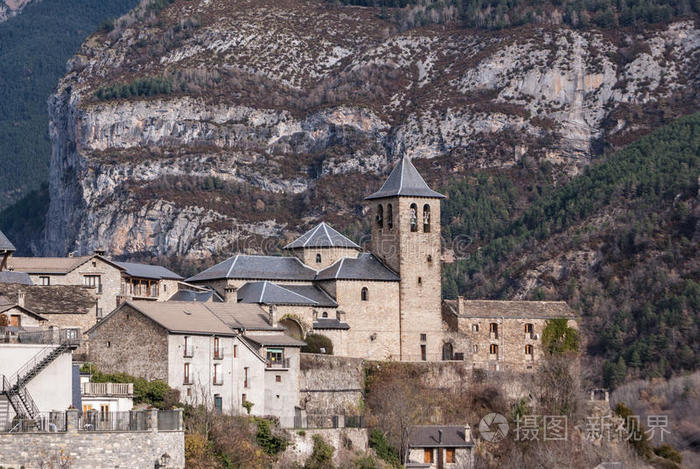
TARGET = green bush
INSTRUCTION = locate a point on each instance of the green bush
(389, 454)
(559, 338)
(321, 456)
(270, 443)
(317, 343)
(152, 86)
(156, 393)
(667, 451)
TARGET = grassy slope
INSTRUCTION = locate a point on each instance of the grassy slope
(637, 215)
(34, 48)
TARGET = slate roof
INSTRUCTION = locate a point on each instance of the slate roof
(510, 309)
(405, 180)
(251, 267)
(15, 277)
(6, 307)
(330, 323)
(148, 271)
(46, 265)
(5, 244)
(270, 293)
(242, 316)
(282, 340)
(363, 267)
(321, 236)
(428, 436)
(196, 296)
(53, 299)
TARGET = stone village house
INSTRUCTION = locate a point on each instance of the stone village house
(440, 447)
(218, 354)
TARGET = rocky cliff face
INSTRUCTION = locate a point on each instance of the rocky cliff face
(277, 113)
(10, 8)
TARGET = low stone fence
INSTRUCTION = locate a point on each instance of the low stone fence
(159, 444)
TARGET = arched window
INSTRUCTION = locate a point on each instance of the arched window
(389, 216)
(364, 294)
(414, 217)
(325, 314)
(426, 218)
(493, 349)
(447, 351)
(380, 216)
(318, 258)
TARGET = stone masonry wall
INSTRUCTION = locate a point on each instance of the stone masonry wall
(330, 385)
(342, 439)
(141, 352)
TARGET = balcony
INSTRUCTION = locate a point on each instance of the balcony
(278, 364)
(107, 389)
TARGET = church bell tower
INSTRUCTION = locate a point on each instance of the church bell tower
(406, 237)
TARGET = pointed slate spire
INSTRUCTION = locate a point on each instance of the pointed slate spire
(321, 236)
(405, 180)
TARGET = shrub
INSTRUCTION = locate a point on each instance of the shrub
(321, 456)
(318, 343)
(559, 338)
(669, 452)
(270, 443)
(377, 441)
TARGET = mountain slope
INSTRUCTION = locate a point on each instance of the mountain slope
(34, 48)
(620, 244)
(194, 129)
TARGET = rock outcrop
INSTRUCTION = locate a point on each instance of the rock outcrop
(10, 8)
(281, 110)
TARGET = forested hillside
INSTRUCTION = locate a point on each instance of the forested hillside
(34, 48)
(619, 243)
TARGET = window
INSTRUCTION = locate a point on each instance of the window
(475, 348)
(99, 314)
(420, 280)
(423, 353)
(325, 314)
(475, 328)
(15, 320)
(244, 398)
(318, 258)
(423, 337)
(493, 349)
(426, 218)
(428, 455)
(187, 351)
(104, 412)
(93, 281)
(364, 294)
(450, 455)
(389, 216)
(45, 281)
(414, 217)
(235, 351)
(94, 264)
(218, 352)
(245, 380)
(380, 216)
(218, 379)
(187, 374)
(528, 350)
(189, 392)
(218, 403)
(493, 330)
(278, 378)
(275, 356)
(529, 329)
(109, 344)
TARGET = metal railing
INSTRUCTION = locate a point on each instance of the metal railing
(45, 422)
(95, 421)
(284, 363)
(107, 389)
(312, 421)
(20, 399)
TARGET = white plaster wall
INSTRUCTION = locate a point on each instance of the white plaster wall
(281, 397)
(116, 404)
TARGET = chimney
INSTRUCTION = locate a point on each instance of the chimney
(440, 436)
(99, 251)
(273, 314)
(467, 433)
(460, 304)
(230, 294)
(20, 298)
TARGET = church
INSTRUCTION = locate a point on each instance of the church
(385, 303)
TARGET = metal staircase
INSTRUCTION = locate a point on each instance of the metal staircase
(15, 387)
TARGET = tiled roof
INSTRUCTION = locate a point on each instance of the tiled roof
(15, 277)
(428, 436)
(363, 267)
(251, 267)
(273, 294)
(405, 180)
(5, 244)
(330, 323)
(148, 271)
(198, 296)
(280, 339)
(53, 299)
(46, 265)
(510, 309)
(321, 236)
